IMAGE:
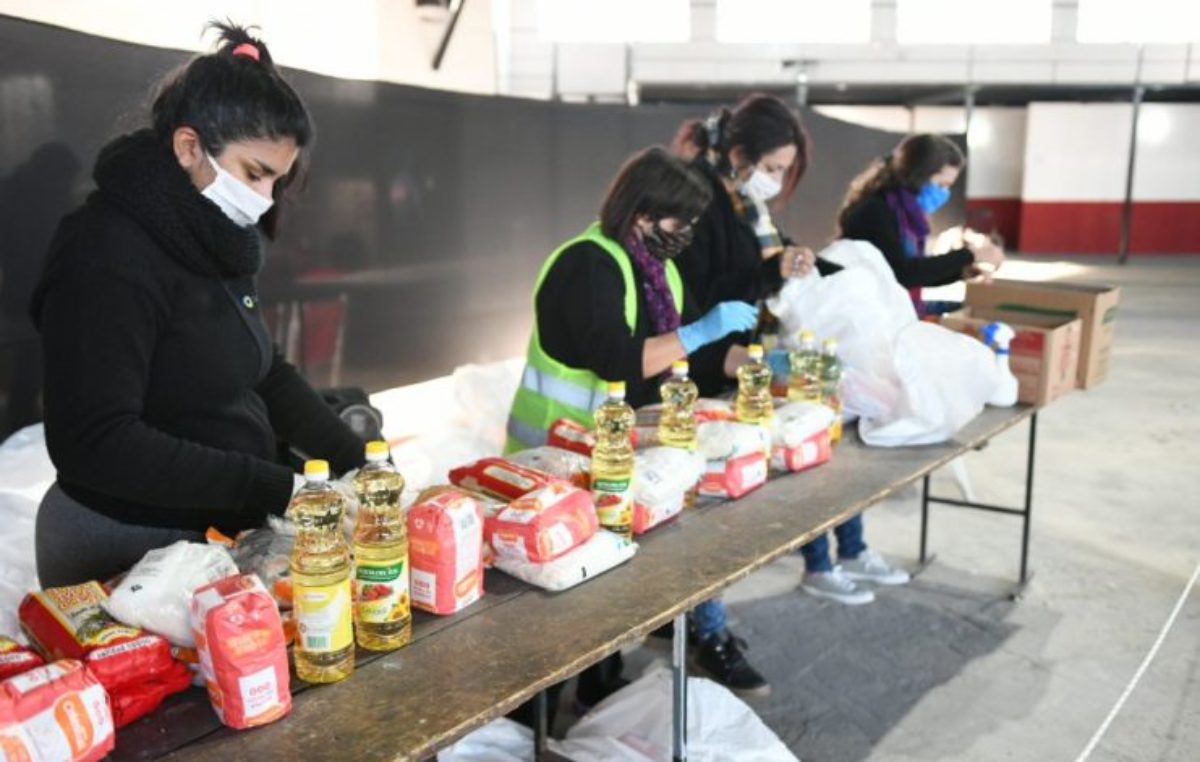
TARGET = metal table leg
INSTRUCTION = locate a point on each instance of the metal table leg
(540, 729)
(679, 705)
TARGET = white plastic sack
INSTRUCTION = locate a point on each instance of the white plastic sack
(796, 422)
(634, 725)
(157, 592)
(25, 474)
(594, 557)
(909, 382)
(946, 378)
(661, 474)
(723, 440)
(500, 740)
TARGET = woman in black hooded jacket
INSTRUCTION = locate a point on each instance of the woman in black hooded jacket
(164, 396)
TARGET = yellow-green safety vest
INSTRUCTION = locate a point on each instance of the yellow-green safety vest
(550, 390)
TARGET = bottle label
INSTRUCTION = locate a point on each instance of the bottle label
(614, 502)
(323, 621)
(382, 592)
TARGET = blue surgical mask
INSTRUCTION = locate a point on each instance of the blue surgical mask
(932, 197)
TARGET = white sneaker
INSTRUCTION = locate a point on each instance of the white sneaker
(870, 567)
(836, 586)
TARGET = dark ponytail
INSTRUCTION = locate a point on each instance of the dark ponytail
(910, 165)
(234, 93)
(758, 125)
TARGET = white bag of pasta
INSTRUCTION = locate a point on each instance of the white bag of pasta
(156, 594)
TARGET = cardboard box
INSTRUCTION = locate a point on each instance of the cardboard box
(1094, 304)
(1044, 356)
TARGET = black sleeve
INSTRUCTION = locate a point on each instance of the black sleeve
(95, 382)
(300, 417)
(710, 268)
(581, 315)
(872, 220)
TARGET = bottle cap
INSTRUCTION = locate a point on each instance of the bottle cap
(316, 470)
(679, 367)
(830, 345)
(806, 336)
(616, 389)
(377, 452)
(755, 351)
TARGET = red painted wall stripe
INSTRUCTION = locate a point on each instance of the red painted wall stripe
(1094, 227)
(1000, 215)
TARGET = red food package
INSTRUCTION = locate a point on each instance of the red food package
(137, 698)
(567, 434)
(813, 451)
(573, 436)
(734, 477)
(243, 652)
(69, 623)
(559, 463)
(16, 658)
(445, 552)
(499, 478)
(54, 713)
(543, 525)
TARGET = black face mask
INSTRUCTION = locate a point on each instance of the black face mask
(665, 245)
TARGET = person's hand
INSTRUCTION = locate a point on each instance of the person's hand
(719, 322)
(988, 254)
(977, 274)
(796, 261)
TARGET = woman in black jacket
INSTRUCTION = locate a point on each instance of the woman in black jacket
(750, 156)
(889, 205)
(164, 397)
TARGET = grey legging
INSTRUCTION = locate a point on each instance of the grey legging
(75, 544)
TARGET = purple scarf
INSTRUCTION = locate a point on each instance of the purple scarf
(664, 318)
(914, 228)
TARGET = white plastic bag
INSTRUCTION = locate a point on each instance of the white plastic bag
(634, 725)
(795, 422)
(500, 740)
(594, 557)
(909, 382)
(156, 593)
(25, 474)
(662, 473)
(724, 440)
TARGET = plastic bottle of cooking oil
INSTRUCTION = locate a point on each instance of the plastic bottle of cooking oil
(753, 402)
(677, 426)
(612, 462)
(831, 382)
(804, 384)
(320, 571)
(382, 614)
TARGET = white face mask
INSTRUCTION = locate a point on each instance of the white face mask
(761, 186)
(239, 201)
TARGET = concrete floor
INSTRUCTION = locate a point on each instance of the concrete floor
(1116, 537)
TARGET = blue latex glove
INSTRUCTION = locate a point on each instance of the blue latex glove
(779, 363)
(719, 322)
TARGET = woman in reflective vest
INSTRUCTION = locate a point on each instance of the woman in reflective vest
(610, 306)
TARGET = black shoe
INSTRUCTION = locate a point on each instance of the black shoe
(721, 657)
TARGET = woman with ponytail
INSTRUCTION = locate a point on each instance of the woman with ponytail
(751, 156)
(164, 396)
(889, 205)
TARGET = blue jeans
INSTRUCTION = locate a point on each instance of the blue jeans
(708, 619)
(850, 544)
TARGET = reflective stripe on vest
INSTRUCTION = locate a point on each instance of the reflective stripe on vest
(550, 390)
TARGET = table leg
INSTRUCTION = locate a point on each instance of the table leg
(540, 731)
(924, 519)
(679, 705)
(1027, 518)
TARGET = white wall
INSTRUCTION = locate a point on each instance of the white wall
(1076, 152)
(1168, 153)
(704, 60)
(359, 39)
(997, 139)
